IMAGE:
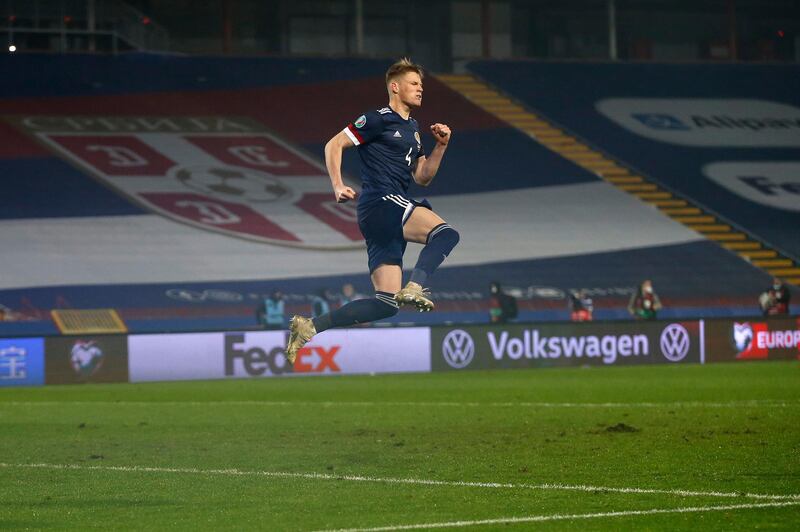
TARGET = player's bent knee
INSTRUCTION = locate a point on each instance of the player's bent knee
(455, 236)
(446, 237)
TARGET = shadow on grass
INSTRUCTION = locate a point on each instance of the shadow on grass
(97, 504)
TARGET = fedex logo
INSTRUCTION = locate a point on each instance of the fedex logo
(774, 184)
(316, 359)
(253, 360)
(242, 356)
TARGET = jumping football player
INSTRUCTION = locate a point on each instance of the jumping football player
(391, 155)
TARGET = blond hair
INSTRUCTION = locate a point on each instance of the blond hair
(401, 67)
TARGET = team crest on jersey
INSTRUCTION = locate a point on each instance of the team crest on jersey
(360, 121)
(226, 175)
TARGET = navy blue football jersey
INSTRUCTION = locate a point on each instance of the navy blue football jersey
(389, 148)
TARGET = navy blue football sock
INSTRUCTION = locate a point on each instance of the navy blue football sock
(441, 241)
(381, 306)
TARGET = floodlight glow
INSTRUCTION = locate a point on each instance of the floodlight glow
(12, 48)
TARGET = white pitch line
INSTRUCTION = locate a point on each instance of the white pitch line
(410, 481)
(567, 517)
(428, 404)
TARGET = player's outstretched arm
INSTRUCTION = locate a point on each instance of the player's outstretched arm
(428, 166)
(333, 161)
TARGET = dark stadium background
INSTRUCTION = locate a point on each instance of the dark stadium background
(162, 173)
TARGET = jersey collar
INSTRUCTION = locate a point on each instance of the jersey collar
(399, 115)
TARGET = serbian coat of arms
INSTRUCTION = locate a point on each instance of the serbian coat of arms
(224, 174)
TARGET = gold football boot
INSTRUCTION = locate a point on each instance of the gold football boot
(414, 294)
(301, 330)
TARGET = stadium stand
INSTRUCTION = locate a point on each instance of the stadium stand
(728, 143)
(110, 166)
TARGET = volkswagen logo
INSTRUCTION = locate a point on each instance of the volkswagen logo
(675, 342)
(458, 349)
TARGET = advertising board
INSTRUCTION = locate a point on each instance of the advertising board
(261, 354)
(76, 360)
(21, 361)
(566, 344)
(755, 339)
(736, 122)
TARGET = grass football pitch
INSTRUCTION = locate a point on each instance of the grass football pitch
(658, 448)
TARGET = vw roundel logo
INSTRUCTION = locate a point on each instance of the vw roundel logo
(675, 342)
(458, 349)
